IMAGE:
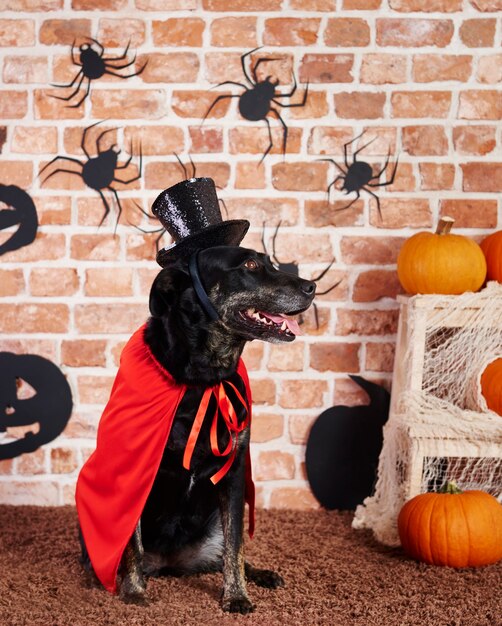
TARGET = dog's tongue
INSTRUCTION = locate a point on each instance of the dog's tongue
(291, 323)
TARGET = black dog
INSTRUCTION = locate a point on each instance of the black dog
(189, 524)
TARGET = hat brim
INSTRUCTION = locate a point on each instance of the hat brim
(229, 233)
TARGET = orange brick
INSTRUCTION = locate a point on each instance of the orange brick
(172, 67)
(42, 347)
(380, 357)
(367, 322)
(95, 247)
(263, 391)
(18, 173)
(335, 357)
(160, 175)
(249, 175)
(34, 139)
(13, 104)
(25, 69)
(474, 139)
(83, 352)
(265, 211)
(299, 428)
(286, 358)
(425, 140)
(413, 32)
(98, 5)
(166, 5)
(290, 31)
(383, 68)
(34, 318)
(182, 31)
(111, 318)
(470, 213)
(64, 32)
(440, 67)
(255, 140)
(487, 5)
(94, 389)
(204, 139)
(266, 427)
(196, 104)
(82, 425)
(480, 104)
(32, 5)
(118, 33)
(274, 465)
(490, 69)
(319, 213)
(476, 33)
(32, 464)
(304, 248)
(49, 108)
(142, 247)
(242, 5)
(359, 105)
(214, 62)
(18, 33)
(234, 31)
(128, 103)
(11, 282)
(416, 104)
(328, 140)
(154, 140)
(482, 177)
(403, 181)
(53, 281)
(299, 176)
(19, 492)
(296, 394)
(46, 247)
(401, 212)
(313, 5)
(365, 5)
(370, 250)
(73, 138)
(6, 467)
(144, 279)
(326, 68)
(63, 460)
(409, 6)
(436, 176)
(108, 281)
(316, 105)
(297, 498)
(347, 32)
(312, 326)
(372, 285)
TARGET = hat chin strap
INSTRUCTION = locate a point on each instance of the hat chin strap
(199, 287)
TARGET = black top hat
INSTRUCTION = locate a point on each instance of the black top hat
(190, 212)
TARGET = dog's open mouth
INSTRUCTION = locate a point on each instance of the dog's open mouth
(277, 323)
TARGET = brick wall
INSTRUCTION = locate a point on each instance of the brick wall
(422, 77)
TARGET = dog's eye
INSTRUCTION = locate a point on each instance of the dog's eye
(251, 264)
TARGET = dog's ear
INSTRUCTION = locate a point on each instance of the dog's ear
(164, 291)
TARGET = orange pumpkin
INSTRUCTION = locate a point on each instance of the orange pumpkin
(492, 249)
(491, 386)
(441, 262)
(453, 528)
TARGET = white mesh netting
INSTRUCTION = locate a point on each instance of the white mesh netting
(439, 427)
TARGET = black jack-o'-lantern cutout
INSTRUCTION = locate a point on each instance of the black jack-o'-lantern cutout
(343, 448)
(21, 211)
(47, 410)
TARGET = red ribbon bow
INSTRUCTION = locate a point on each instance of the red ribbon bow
(226, 409)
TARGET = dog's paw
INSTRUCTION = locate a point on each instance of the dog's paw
(237, 604)
(264, 578)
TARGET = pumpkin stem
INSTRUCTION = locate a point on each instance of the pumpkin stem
(444, 225)
(450, 487)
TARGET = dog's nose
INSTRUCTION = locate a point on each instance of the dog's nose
(308, 287)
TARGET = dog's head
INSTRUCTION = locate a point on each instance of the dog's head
(253, 299)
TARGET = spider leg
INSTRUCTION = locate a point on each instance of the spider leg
(107, 206)
(244, 69)
(119, 206)
(391, 179)
(193, 165)
(331, 185)
(346, 145)
(120, 67)
(121, 57)
(362, 148)
(358, 195)
(100, 137)
(60, 169)
(131, 180)
(263, 237)
(73, 93)
(271, 142)
(63, 158)
(75, 106)
(222, 97)
(284, 133)
(274, 237)
(75, 62)
(81, 73)
(377, 200)
(185, 173)
(326, 269)
(84, 135)
(253, 70)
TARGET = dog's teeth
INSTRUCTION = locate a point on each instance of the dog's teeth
(284, 326)
(250, 312)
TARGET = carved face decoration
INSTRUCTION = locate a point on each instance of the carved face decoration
(46, 411)
(21, 211)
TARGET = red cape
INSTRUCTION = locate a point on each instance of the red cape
(115, 482)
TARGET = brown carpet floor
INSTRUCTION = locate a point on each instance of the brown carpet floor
(334, 575)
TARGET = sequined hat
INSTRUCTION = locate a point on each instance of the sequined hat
(190, 212)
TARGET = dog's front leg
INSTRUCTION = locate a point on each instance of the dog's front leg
(231, 494)
(132, 586)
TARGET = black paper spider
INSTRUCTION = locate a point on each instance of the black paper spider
(162, 229)
(255, 103)
(98, 172)
(94, 65)
(359, 175)
(292, 268)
